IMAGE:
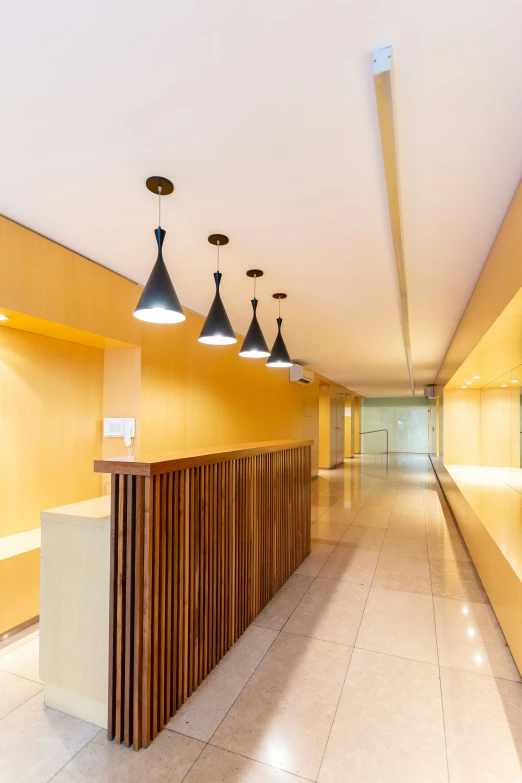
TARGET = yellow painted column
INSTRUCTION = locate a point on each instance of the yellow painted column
(324, 426)
(348, 440)
(357, 426)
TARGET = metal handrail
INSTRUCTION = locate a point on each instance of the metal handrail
(370, 432)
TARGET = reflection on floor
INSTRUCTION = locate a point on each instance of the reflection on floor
(379, 660)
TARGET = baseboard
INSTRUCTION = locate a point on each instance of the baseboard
(21, 627)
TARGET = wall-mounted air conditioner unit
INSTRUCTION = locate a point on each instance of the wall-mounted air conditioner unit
(298, 374)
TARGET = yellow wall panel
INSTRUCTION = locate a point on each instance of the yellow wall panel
(461, 427)
(51, 410)
(57, 384)
(36, 275)
(19, 589)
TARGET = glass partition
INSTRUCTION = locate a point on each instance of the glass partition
(405, 419)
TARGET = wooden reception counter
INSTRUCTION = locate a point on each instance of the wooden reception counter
(201, 540)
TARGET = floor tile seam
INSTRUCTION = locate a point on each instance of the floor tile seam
(340, 694)
(197, 757)
(19, 643)
(478, 674)
(438, 650)
(362, 508)
(313, 578)
(401, 590)
(323, 565)
(371, 585)
(317, 638)
(18, 706)
(256, 761)
(209, 742)
(29, 679)
(49, 780)
(345, 581)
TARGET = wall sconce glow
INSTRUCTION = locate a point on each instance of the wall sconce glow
(4, 317)
(217, 329)
(254, 344)
(159, 303)
(279, 356)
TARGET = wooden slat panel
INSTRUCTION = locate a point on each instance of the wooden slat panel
(120, 609)
(138, 610)
(128, 687)
(168, 709)
(195, 555)
(146, 667)
(113, 599)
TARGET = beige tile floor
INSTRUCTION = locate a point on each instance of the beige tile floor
(380, 660)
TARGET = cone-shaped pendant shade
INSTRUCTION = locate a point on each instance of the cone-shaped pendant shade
(159, 303)
(279, 356)
(217, 329)
(254, 344)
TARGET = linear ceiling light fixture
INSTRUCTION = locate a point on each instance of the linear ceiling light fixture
(382, 80)
(217, 329)
(159, 303)
(4, 317)
(254, 344)
(279, 356)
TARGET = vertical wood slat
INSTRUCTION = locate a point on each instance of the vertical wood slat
(195, 555)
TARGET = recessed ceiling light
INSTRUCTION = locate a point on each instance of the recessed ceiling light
(469, 382)
(476, 377)
(503, 385)
(514, 380)
(463, 387)
(4, 317)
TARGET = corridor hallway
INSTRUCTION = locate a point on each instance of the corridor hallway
(380, 660)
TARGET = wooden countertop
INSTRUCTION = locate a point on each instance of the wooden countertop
(153, 464)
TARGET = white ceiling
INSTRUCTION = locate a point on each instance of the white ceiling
(263, 114)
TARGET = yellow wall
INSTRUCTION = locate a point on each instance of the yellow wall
(500, 427)
(191, 394)
(500, 280)
(54, 394)
(51, 395)
(196, 395)
(50, 411)
(462, 426)
(19, 589)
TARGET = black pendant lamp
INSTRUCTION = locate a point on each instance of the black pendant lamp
(254, 344)
(159, 303)
(279, 356)
(217, 329)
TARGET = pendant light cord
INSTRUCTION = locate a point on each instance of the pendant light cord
(159, 203)
(218, 256)
(255, 278)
